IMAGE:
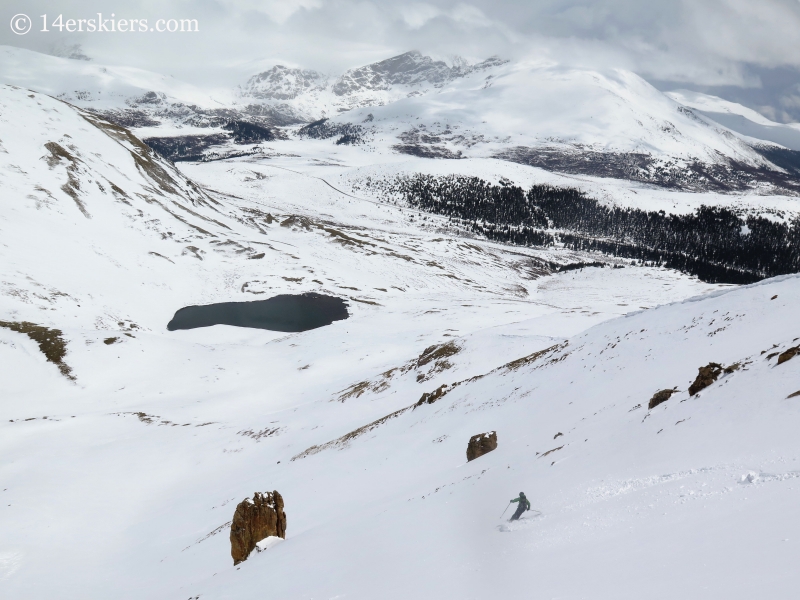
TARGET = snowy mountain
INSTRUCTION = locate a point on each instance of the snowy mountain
(740, 119)
(584, 122)
(314, 96)
(132, 97)
(607, 124)
(98, 87)
(127, 446)
(410, 70)
(282, 83)
(546, 115)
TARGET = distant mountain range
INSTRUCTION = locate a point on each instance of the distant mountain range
(607, 124)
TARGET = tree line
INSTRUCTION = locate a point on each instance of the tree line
(713, 243)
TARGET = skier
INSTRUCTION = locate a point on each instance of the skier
(523, 506)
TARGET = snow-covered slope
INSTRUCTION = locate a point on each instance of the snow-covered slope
(128, 96)
(691, 498)
(131, 467)
(740, 119)
(542, 104)
(102, 87)
(87, 202)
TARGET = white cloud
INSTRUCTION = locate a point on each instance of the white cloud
(469, 15)
(278, 11)
(416, 15)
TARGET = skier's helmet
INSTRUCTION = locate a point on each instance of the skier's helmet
(522, 494)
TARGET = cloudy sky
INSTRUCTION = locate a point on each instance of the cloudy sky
(744, 50)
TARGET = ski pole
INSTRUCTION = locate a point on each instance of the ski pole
(505, 509)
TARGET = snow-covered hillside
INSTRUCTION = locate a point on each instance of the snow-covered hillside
(126, 447)
(543, 104)
(102, 87)
(690, 498)
(740, 119)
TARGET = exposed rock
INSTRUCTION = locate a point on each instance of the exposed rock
(558, 434)
(437, 355)
(51, 343)
(255, 520)
(409, 69)
(705, 377)
(550, 452)
(526, 360)
(283, 83)
(660, 397)
(431, 397)
(481, 444)
(794, 395)
(344, 441)
(427, 151)
(789, 354)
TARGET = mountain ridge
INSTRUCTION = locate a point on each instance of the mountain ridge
(607, 124)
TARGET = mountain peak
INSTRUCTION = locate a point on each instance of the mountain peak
(283, 83)
(410, 69)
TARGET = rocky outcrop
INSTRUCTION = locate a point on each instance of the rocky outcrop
(255, 519)
(481, 444)
(436, 357)
(708, 375)
(789, 354)
(705, 377)
(409, 69)
(431, 397)
(660, 397)
(51, 343)
(283, 83)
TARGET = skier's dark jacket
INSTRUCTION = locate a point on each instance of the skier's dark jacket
(524, 500)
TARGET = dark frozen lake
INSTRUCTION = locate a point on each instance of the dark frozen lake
(288, 312)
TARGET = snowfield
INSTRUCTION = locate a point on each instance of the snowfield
(542, 104)
(120, 476)
(740, 119)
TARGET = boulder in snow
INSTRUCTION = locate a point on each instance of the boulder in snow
(789, 354)
(705, 377)
(481, 444)
(660, 397)
(254, 520)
